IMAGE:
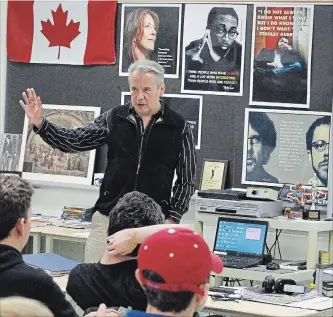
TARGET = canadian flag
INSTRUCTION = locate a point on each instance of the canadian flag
(61, 32)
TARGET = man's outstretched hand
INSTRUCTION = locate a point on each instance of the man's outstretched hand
(32, 106)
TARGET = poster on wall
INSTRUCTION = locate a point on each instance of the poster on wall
(213, 49)
(39, 161)
(151, 32)
(188, 106)
(285, 146)
(281, 56)
(10, 148)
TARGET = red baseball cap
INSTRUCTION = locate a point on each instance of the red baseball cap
(181, 257)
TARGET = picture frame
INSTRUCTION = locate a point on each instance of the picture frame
(213, 174)
(40, 162)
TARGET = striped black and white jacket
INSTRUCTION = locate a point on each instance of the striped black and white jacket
(138, 159)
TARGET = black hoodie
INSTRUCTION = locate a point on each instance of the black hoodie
(19, 279)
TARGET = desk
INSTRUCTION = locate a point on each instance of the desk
(244, 308)
(62, 282)
(311, 227)
(56, 233)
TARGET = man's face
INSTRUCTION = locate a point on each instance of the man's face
(255, 156)
(283, 41)
(320, 153)
(145, 95)
(219, 28)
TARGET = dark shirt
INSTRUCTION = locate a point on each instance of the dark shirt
(90, 284)
(19, 279)
(101, 131)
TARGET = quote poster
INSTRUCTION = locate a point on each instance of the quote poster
(151, 32)
(213, 49)
(285, 146)
(188, 106)
(281, 56)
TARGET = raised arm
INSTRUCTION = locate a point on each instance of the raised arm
(125, 241)
(89, 137)
(186, 177)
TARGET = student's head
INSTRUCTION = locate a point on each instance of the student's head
(134, 210)
(222, 23)
(15, 210)
(23, 307)
(174, 266)
(146, 81)
(317, 145)
(261, 141)
(140, 32)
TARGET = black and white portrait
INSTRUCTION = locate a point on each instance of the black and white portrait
(10, 152)
(285, 147)
(150, 32)
(213, 48)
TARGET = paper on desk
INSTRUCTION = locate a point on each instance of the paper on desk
(317, 303)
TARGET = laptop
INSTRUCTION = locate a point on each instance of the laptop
(240, 242)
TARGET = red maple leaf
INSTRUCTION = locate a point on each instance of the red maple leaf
(59, 33)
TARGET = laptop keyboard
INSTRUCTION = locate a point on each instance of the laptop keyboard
(238, 262)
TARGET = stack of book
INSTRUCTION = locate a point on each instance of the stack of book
(76, 213)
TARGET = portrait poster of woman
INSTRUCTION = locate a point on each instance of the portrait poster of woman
(150, 32)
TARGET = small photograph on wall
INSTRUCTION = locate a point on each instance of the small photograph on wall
(10, 148)
(39, 161)
(285, 146)
(281, 56)
(213, 49)
(188, 106)
(151, 32)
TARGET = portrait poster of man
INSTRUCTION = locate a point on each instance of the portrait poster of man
(10, 148)
(285, 147)
(39, 161)
(213, 49)
(188, 106)
(281, 56)
(151, 32)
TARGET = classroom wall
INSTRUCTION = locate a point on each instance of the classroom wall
(222, 118)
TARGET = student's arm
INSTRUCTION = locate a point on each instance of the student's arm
(125, 241)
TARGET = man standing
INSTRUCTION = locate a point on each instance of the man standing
(147, 142)
(218, 50)
(261, 141)
(317, 145)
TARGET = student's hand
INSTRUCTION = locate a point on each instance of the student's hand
(33, 107)
(122, 242)
(170, 221)
(104, 312)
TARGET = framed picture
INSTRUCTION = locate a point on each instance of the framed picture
(213, 174)
(10, 147)
(40, 162)
(285, 146)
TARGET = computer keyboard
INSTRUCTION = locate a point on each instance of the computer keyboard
(238, 262)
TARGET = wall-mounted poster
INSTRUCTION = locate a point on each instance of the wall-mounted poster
(285, 146)
(39, 161)
(10, 148)
(188, 106)
(213, 49)
(281, 56)
(151, 31)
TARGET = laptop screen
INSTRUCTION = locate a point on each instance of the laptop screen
(244, 236)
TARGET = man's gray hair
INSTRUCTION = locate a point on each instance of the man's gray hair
(147, 66)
